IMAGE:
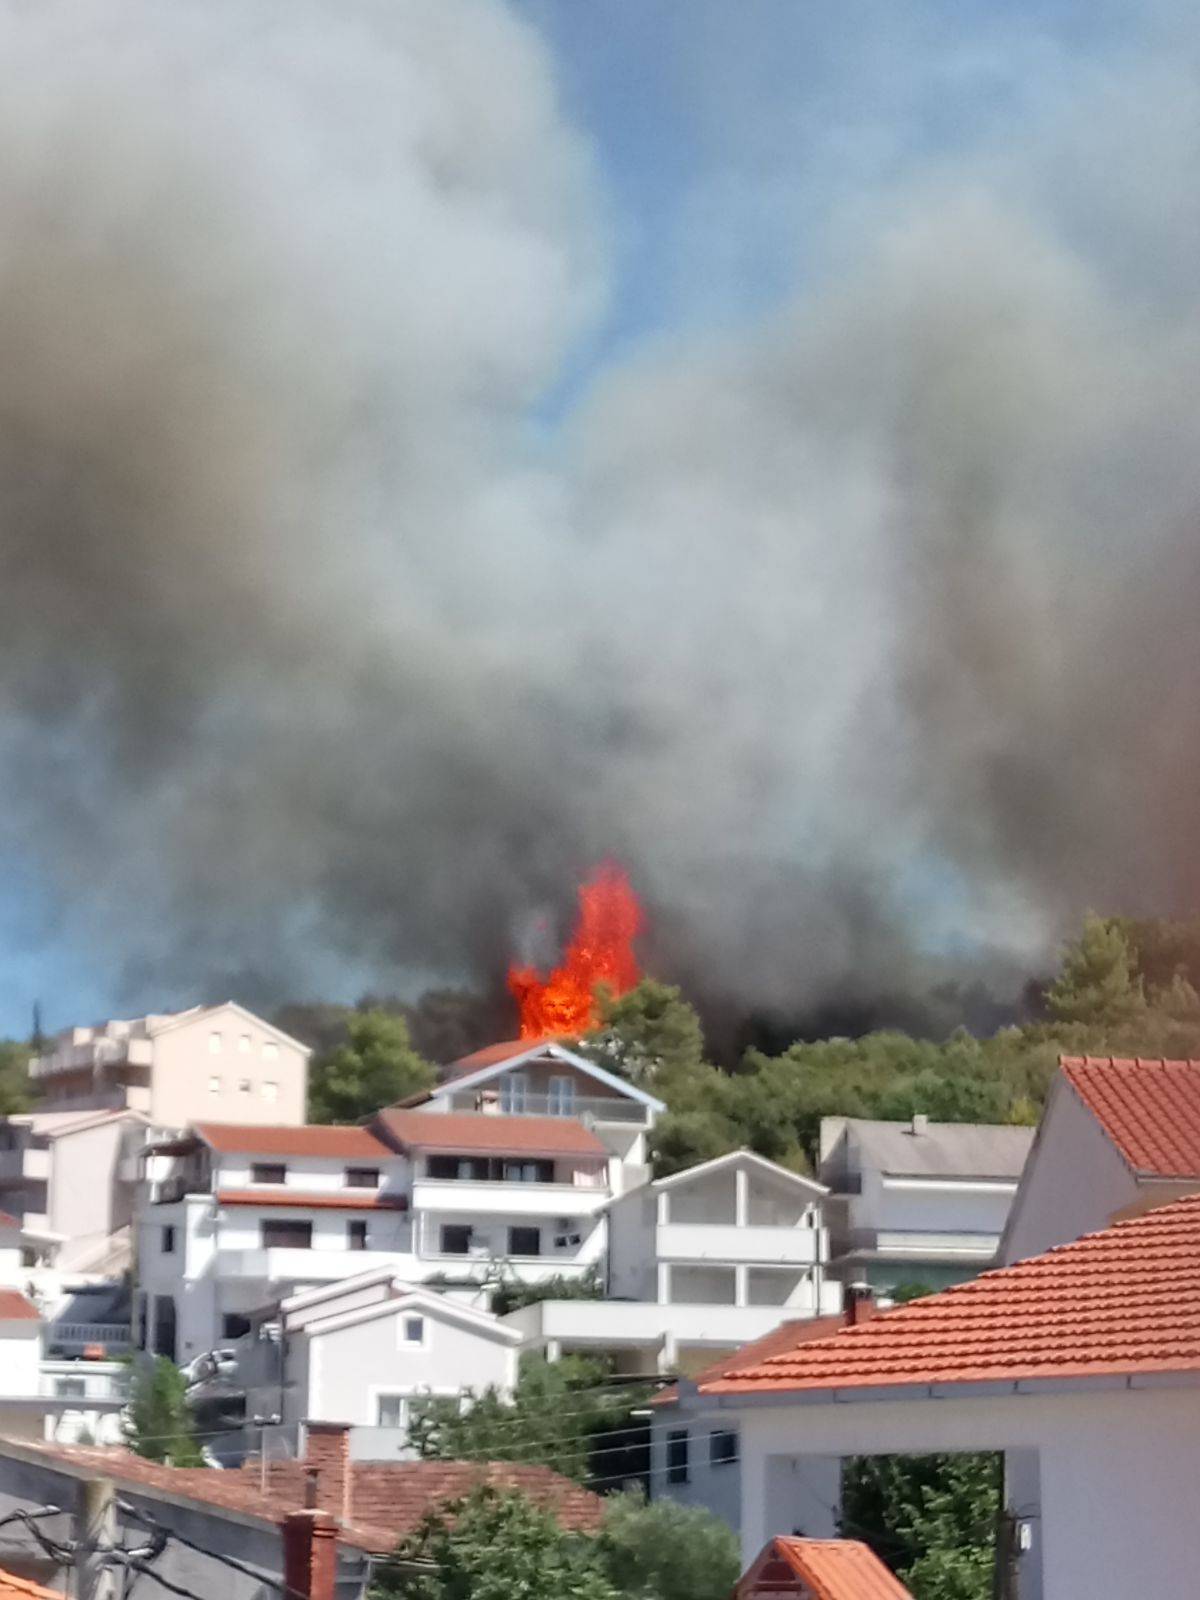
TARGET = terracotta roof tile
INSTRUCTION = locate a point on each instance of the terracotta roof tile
(832, 1569)
(237, 1139)
(14, 1307)
(1118, 1302)
(491, 1056)
(467, 1132)
(1150, 1109)
(312, 1199)
(389, 1499)
(14, 1588)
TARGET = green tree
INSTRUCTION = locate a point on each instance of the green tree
(376, 1066)
(560, 1413)
(667, 1551)
(14, 1077)
(157, 1423)
(932, 1519)
(650, 1035)
(1098, 983)
(511, 1294)
(493, 1546)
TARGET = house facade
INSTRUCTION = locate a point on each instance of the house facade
(917, 1203)
(698, 1263)
(219, 1062)
(1081, 1367)
(358, 1352)
(469, 1186)
(1117, 1136)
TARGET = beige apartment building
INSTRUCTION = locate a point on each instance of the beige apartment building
(216, 1063)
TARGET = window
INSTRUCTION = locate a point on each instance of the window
(234, 1325)
(244, 1043)
(514, 1092)
(214, 1085)
(356, 1234)
(215, 1044)
(268, 1172)
(391, 1411)
(164, 1326)
(269, 1050)
(414, 1330)
(362, 1177)
(244, 1085)
(561, 1102)
(722, 1449)
(270, 1090)
(285, 1235)
(70, 1388)
(528, 1172)
(524, 1241)
(167, 1241)
(456, 1239)
(677, 1456)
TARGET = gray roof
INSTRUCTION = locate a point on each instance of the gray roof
(942, 1150)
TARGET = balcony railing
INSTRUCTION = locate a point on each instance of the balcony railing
(114, 1338)
(600, 1108)
(726, 1243)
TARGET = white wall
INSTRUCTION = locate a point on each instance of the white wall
(1117, 1469)
(349, 1368)
(631, 1224)
(20, 1357)
(717, 1488)
(185, 1064)
(1074, 1180)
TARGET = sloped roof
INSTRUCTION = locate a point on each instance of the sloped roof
(14, 1307)
(338, 1144)
(1148, 1107)
(14, 1588)
(940, 1150)
(832, 1569)
(486, 1133)
(493, 1054)
(312, 1199)
(1119, 1302)
(388, 1499)
(787, 1336)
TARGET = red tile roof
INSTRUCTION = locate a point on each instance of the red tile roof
(14, 1588)
(14, 1307)
(312, 1199)
(388, 1499)
(832, 1569)
(1118, 1302)
(493, 1054)
(468, 1132)
(339, 1144)
(1150, 1109)
(787, 1336)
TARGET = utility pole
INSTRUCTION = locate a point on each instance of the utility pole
(95, 1536)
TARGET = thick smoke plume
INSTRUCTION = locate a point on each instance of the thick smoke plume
(864, 637)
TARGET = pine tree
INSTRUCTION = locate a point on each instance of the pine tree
(158, 1424)
(1099, 983)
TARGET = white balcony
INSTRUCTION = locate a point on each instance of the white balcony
(727, 1243)
(293, 1265)
(84, 1383)
(462, 1197)
(920, 1244)
(647, 1326)
(591, 1108)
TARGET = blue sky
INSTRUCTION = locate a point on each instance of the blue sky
(744, 149)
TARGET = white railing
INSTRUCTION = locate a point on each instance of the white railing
(83, 1388)
(284, 1264)
(465, 1197)
(644, 1324)
(729, 1244)
(923, 1241)
(601, 1108)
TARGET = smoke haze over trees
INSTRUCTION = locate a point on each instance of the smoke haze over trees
(335, 643)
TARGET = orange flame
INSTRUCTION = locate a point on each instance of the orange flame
(600, 952)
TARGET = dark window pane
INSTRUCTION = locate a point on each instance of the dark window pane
(677, 1456)
(280, 1235)
(268, 1172)
(524, 1241)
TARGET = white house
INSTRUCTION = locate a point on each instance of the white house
(42, 1398)
(917, 1202)
(219, 1062)
(698, 1262)
(1081, 1366)
(503, 1172)
(1116, 1136)
(358, 1352)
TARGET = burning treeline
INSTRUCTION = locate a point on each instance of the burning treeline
(600, 955)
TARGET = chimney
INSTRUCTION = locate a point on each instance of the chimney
(327, 1454)
(309, 1555)
(920, 1122)
(859, 1304)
